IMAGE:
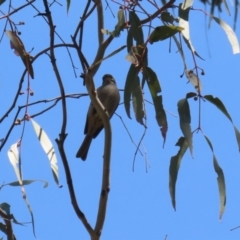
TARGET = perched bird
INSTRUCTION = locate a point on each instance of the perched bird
(109, 96)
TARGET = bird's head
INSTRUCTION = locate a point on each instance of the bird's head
(108, 79)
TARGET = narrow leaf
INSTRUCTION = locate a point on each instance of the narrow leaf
(129, 40)
(183, 14)
(174, 168)
(136, 28)
(191, 94)
(220, 180)
(230, 34)
(155, 89)
(6, 208)
(13, 156)
(163, 32)
(131, 78)
(137, 100)
(237, 134)
(218, 103)
(221, 185)
(19, 48)
(121, 23)
(26, 182)
(68, 4)
(168, 18)
(2, 1)
(185, 120)
(48, 149)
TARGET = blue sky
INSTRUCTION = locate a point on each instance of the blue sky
(139, 205)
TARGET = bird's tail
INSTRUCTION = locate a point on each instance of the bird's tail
(83, 150)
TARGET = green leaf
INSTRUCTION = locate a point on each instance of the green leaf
(5, 207)
(19, 48)
(220, 180)
(163, 32)
(26, 182)
(174, 168)
(155, 89)
(221, 185)
(191, 95)
(136, 28)
(2, 1)
(3, 228)
(218, 103)
(121, 23)
(68, 4)
(48, 148)
(131, 78)
(129, 40)
(137, 100)
(185, 120)
(168, 18)
(232, 38)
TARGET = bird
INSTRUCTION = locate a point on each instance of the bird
(109, 96)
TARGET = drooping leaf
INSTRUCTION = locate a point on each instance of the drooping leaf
(129, 40)
(194, 80)
(185, 120)
(221, 186)
(13, 156)
(190, 95)
(3, 228)
(120, 24)
(174, 168)
(155, 89)
(230, 34)
(136, 28)
(218, 103)
(227, 8)
(168, 17)
(137, 100)
(183, 14)
(5, 207)
(2, 1)
(220, 180)
(163, 32)
(19, 48)
(68, 5)
(48, 148)
(235, 13)
(131, 78)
